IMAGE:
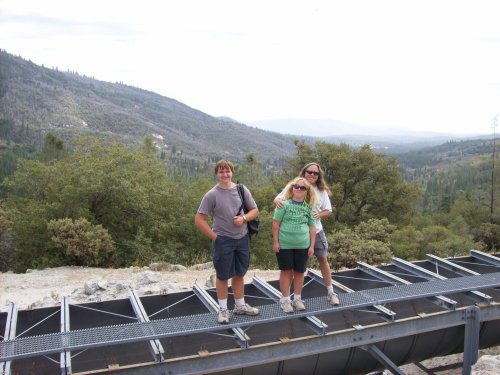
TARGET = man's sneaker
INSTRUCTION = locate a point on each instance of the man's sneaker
(223, 316)
(286, 306)
(333, 298)
(298, 305)
(246, 309)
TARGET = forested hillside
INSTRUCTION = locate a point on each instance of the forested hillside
(462, 152)
(35, 100)
(447, 170)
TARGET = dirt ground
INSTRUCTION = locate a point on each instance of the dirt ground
(42, 288)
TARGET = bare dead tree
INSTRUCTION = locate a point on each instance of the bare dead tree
(494, 124)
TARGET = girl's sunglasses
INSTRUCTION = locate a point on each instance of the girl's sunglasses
(299, 187)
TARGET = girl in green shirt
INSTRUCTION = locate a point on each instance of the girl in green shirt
(294, 234)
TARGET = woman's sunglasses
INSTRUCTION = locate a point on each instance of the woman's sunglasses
(299, 187)
(312, 172)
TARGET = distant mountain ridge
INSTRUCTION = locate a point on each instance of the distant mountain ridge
(335, 128)
(387, 140)
(318, 127)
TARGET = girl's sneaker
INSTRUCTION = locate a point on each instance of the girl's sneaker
(298, 305)
(246, 309)
(286, 306)
(223, 316)
(333, 298)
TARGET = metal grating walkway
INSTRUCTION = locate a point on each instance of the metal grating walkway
(186, 325)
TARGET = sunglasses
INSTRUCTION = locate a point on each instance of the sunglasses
(299, 187)
(312, 172)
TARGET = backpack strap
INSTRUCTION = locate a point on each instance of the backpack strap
(241, 193)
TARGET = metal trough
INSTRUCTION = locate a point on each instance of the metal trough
(389, 316)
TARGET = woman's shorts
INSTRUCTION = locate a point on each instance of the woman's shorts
(321, 244)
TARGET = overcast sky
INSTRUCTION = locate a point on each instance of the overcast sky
(421, 65)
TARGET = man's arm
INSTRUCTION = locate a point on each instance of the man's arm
(200, 221)
(252, 214)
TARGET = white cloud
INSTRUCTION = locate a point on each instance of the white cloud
(427, 65)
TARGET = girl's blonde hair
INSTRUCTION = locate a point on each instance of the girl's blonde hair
(310, 197)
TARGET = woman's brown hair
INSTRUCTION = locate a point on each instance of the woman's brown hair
(320, 183)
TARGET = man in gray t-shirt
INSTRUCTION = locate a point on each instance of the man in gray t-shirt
(229, 235)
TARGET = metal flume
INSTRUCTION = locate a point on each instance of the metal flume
(389, 315)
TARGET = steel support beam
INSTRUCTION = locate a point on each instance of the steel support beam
(9, 334)
(155, 345)
(441, 301)
(65, 355)
(240, 335)
(383, 312)
(382, 358)
(471, 338)
(416, 270)
(312, 321)
(450, 266)
(488, 258)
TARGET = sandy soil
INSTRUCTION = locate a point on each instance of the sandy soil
(82, 284)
